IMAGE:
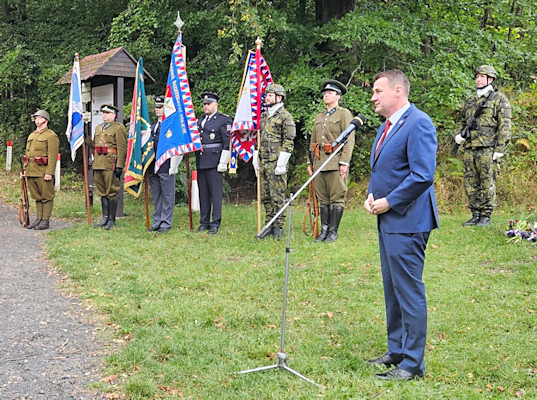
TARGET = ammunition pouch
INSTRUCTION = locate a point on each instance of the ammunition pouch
(327, 148)
(315, 150)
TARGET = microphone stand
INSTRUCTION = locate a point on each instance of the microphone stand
(281, 356)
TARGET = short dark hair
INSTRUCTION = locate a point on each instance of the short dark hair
(395, 77)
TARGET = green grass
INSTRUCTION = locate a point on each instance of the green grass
(188, 311)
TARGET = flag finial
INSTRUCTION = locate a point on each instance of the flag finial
(76, 56)
(179, 22)
(258, 42)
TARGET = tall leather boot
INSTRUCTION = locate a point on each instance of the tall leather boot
(47, 212)
(38, 215)
(112, 207)
(104, 220)
(335, 218)
(324, 212)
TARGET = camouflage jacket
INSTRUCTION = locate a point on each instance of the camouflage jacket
(326, 128)
(44, 144)
(278, 133)
(493, 128)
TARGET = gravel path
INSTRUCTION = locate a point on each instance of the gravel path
(48, 347)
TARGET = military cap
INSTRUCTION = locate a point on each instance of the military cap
(42, 113)
(486, 70)
(336, 86)
(159, 102)
(109, 108)
(209, 97)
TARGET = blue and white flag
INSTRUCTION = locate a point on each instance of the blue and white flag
(179, 132)
(75, 123)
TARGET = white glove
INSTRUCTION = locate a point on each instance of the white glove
(459, 139)
(174, 164)
(281, 164)
(224, 160)
(255, 161)
(497, 156)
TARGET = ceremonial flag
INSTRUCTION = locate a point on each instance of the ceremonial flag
(75, 123)
(178, 133)
(255, 80)
(140, 150)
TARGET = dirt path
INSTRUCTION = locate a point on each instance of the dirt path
(49, 349)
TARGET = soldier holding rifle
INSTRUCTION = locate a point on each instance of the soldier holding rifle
(485, 133)
(40, 163)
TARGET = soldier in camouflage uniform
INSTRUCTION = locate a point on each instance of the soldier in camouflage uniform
(485, 146)
(110, 150)
(331, 182)
(278, 132)
(40, 164)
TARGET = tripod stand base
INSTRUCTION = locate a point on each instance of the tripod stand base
(281, 363)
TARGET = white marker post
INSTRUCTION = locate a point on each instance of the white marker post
(57, 174)
(9, 154)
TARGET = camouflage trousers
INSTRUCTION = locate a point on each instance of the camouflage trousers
(480, 179)
(272, 191)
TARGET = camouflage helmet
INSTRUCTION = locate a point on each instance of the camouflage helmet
(41, 113)
(276, 89)
(486, 70)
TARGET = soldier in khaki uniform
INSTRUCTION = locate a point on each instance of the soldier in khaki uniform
(331, 182)
(485, 146)
(110, 150)
(40, 163)
(278, 132)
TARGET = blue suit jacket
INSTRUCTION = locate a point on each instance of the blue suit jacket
(403, 172)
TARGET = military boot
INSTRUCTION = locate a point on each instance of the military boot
(484, 220)
(471, 221)
(267, 232)
(104, 220)
(324, 212)
(44, 224)
(38, 215)
(112, 207)
(34, 224)
(277, 232)
(335, 218)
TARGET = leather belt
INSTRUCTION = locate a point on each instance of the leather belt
(37, 160)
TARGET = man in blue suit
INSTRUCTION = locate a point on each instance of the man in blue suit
(401, 195)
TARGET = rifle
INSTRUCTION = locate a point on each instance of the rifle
(24, 207)
(472, 125)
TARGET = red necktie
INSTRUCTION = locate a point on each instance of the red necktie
(386, 128)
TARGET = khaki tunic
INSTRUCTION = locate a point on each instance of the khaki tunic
(330, 188)
(44, 144)
(114, 136)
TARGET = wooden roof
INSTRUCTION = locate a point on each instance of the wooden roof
(116, 62)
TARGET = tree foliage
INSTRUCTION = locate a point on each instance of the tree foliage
(438, 44)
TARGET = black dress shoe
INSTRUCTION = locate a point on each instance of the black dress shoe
(398, 374)
(203, 228)
(153, 229)
(387, 360)
(213, 230)
(162, 230)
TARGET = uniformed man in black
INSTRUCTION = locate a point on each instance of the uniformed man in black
(212, 162)
(162, 182)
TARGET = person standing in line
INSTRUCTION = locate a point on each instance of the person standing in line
(110, 152)
(40, 159)
(401, 195)
(278, 132)
(331, 182)
(212, 162)
(162, 182)
(488, 135)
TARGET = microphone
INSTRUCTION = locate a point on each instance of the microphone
(356, 122)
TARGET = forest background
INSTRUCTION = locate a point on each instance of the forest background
(438, 44)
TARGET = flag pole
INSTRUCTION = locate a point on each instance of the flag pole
(85, 162)
(258, 111)
(146, 193)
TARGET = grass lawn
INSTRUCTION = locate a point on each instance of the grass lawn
(187, 311)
